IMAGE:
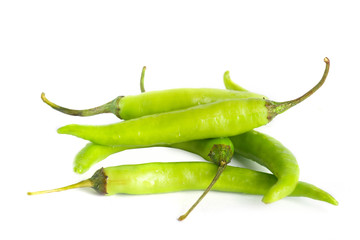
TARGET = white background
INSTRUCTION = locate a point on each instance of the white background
(85, 53)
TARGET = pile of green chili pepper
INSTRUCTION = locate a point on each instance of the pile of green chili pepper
(212, 123)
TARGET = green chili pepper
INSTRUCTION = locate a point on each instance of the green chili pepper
(219, 119)
(130, 107)
(151, 178)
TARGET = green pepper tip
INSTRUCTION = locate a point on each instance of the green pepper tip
(61, 130)
(66, 129)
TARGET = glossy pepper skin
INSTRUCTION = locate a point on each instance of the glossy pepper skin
(94, 153)
(270, 153)
(219, 119)
(130, 107)
(152, 178)
(162, 101)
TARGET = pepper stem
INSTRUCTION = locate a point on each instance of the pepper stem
(142, 88)
(276, 108)
(98, 181)
(82, 184)
(220, 170)
(110, 107)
